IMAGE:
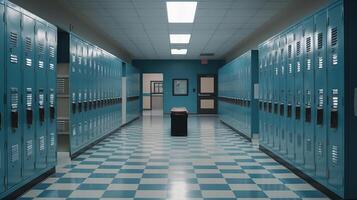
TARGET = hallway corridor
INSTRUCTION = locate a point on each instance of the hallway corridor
(142, 161)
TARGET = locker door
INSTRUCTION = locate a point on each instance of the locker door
(309, 100)
(28, 90)
(78, 82)
(2, 103)
(261, 91)
(73, 92)
(335, 71)
(13, 74)
(269, 82)
(320, 95)
(298, 93)
(51, 93)
(290, 95)
(276, 87)
(282, 95)
(41, 85)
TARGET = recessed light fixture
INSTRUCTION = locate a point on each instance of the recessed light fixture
(180, 38)
(178, 51)
(181, 11)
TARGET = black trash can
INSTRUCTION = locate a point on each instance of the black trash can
(179, 121)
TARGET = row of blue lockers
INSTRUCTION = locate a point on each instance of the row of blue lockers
(94, 93)
(27, 105)
(307, 97)
(237, 105)
(90, 87)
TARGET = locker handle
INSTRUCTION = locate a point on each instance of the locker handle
(42, 114)
(282, 109)
(334, 119)
(52, 113)
(90, 105)
(308, 114)
(85, 106)
(29, 117)
(248, 103)
(73, 108)
(289, 113)
(265, 106)
(15, 119)
(298, 112)
(320, 116)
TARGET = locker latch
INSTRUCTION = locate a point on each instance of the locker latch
(298, 112)
(289, 111)
(52, 113)
(281, 109)
(275, 108)
(308, 114)
(14, 119)
(334, 119)
(320, 116)
(29, 117)
(79, 107)
(42, 114)
(73, 107)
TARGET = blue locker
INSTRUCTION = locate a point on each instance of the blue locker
(79, 82)
(28, 90)
(270, 80)
(74, 140)
(261, 61)
(290, 112)
(51, 96)
(298, 94)
(13, 74)
(309, 100)
(275, 91)
(320, 95)
(282, 93)
(335, 92)
(41, 90)
(2, 103)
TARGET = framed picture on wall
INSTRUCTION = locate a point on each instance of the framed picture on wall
(180, 87)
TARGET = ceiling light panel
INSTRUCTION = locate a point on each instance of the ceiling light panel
(181, 11)
(178, 51)
(180, 38)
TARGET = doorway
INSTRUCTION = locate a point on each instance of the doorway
(153, 94)
(207, 94)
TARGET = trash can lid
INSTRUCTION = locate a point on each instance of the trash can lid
(179, 109)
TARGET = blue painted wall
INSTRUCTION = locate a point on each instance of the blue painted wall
(176, 69)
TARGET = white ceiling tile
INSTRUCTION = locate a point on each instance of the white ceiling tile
(141, 27)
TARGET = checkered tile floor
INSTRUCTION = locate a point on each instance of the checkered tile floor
(142, 161)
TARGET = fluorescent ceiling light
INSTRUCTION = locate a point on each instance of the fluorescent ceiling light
(180, 38)
(181, 11)
(178, 51)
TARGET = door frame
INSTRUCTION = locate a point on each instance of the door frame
(151, 93)
(214, 96)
